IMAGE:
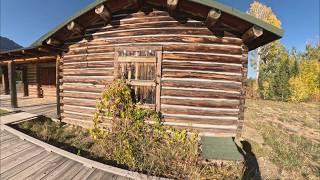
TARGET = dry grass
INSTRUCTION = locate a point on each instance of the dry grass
(176, 163)
(287, 135)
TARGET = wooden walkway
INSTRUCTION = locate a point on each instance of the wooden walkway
(41, 106)
(20, 159)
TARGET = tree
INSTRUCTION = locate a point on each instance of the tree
(275, 72)
(306, 84)
(266, 14)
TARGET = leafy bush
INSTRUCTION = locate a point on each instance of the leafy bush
(148, 147)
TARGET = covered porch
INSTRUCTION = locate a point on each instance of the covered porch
(30, 81)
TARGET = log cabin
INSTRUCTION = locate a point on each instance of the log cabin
(187, 59)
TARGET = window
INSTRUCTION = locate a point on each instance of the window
(140, 67)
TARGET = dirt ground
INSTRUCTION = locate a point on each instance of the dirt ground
(285, 138)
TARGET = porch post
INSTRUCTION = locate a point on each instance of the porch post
(38, 81)
(58, 87)
(25, 81)
(5, 80)
(12, 84)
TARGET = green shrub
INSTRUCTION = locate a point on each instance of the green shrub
(146, 147)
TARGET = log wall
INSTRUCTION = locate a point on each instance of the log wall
(202, 74)
(48, 90)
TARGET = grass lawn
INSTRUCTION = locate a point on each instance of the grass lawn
(284, 137)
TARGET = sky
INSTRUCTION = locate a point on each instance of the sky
(24, 21)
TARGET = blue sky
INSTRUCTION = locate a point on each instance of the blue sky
(24, 21)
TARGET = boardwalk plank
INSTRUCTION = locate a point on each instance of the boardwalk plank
(65, 172)
(12, 141)
(5, 138)
(59, 171)
(47, 169)
(15, 149)
(18, 158)
(20, 167)
(36, 167)
(84, 173)
(99, 175)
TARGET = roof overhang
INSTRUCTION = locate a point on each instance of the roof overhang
(237, 22)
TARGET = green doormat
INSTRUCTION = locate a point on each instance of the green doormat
(220, 148)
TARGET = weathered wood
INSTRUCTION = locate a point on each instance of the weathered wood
(194, 65)
(172, 6)
(12, 161)
(5, 79)
(201, 102)
(227, 86)
(171, 109)
(25, 81)
(205, 93)
(53, 42)
(251, 34)
(202, 57)
(75, 28)
(38, 83)
(130, 59)
(212, 18)
(12, 84)
(83, 88)
(158, 80)
(201, 75)
(58, 77)
(104, 13)
(172, 118)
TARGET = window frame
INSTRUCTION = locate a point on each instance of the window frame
(142, 59)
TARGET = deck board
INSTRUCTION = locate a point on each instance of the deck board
(15, 149)
(18, 158)
(21, 159)
(10, 143)
(20, 167)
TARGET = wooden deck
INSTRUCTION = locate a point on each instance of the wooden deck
(41, 106)
(21, 159)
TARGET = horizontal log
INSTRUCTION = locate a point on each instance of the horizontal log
(172, 118)
(77, 122)
(234, 50)
(154, 31)
(158, 38)
(199, 93)
(83, 95)
(202, 85)
(79, 109)
(85, 58)
(87, 72)
(194, 65)
(201, 57)
(168, 22)
(92, 80)
(89, 50)
(198, 111)
(84, 88)
(88, 64)
(190, 74)
(79, 102)
(201, 102)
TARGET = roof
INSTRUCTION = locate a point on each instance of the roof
(273, 32)
(75, 16)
